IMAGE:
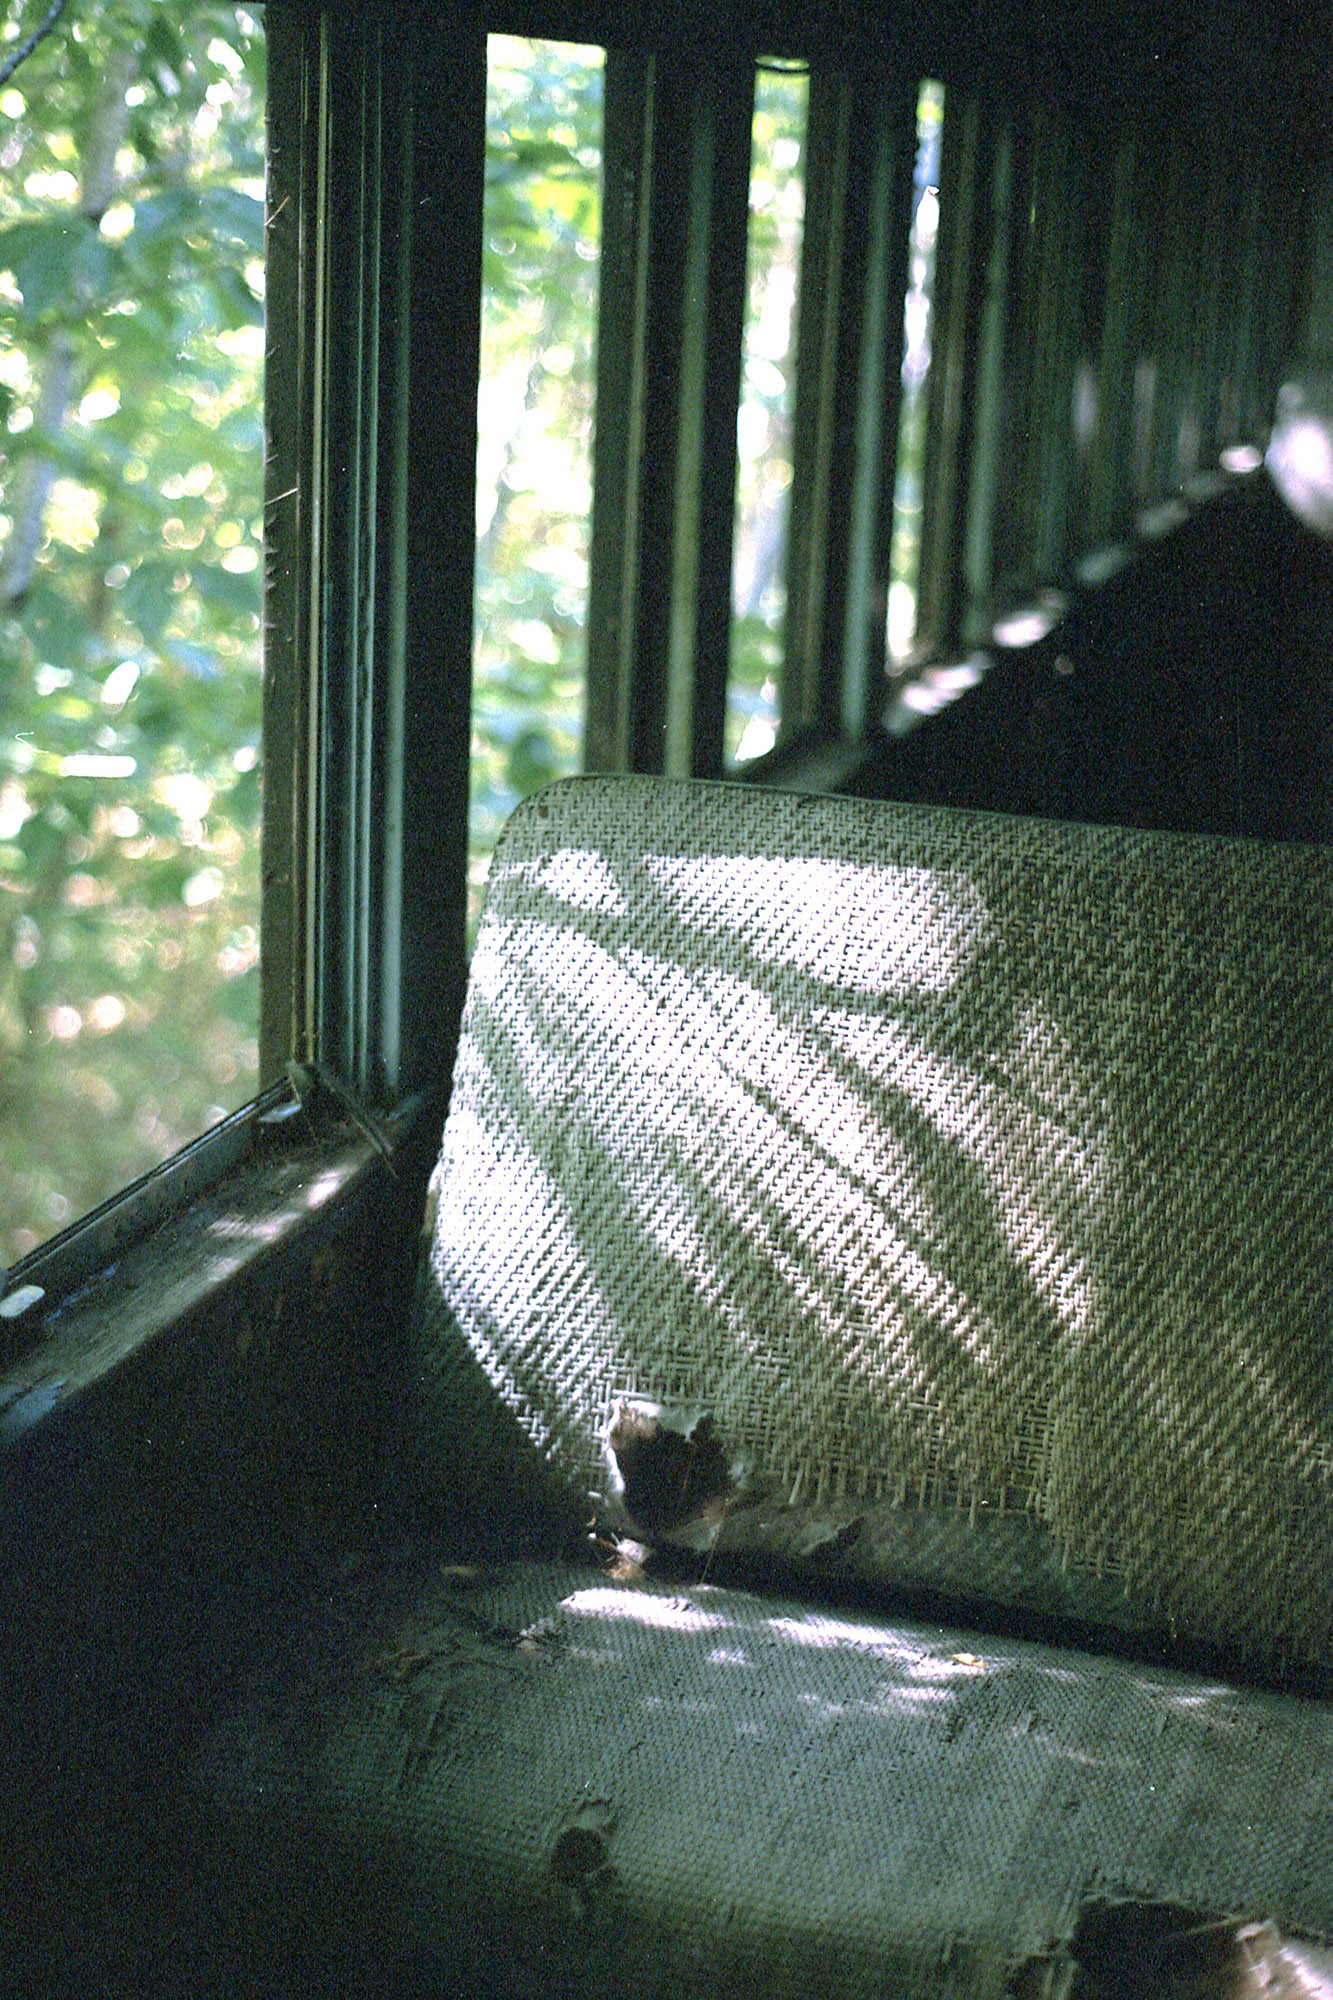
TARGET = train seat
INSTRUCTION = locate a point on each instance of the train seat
(867, 1413)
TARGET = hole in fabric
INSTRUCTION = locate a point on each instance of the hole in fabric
(668, 1473)
(580, 1862)
(578, 1853)
(1124, 1951)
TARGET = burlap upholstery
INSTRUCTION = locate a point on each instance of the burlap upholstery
(974, 1173)
(971, 1173)
(531, 1781)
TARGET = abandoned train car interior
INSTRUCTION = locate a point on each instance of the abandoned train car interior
(748, 1409)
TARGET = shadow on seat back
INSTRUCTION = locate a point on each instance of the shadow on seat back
(942, 1203)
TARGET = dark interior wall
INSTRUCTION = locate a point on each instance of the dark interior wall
(1194, 691)
(1265, 65)
(158, 1522)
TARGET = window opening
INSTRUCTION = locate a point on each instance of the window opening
(764, 419)
(542, 224)
(909, 478)
(131, 467)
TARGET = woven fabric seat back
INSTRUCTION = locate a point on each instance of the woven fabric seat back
(949, 1193)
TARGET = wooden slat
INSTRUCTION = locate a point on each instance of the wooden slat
(860, 149)
(677, 152)
(962, 252)
(375, 248)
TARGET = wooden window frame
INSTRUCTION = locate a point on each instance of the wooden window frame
(377, 169)
(374, 258)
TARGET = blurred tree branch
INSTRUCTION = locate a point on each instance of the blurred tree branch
(131, 454)
(26, 47)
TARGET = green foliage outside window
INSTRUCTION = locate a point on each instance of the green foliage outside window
(764, 428)
(534, 470)
(131, 475)
(131, 468)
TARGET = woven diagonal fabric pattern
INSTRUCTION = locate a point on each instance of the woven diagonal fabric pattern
(769, 1798)
(973, 1173)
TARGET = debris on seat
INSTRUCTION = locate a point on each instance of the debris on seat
(1129, 1950)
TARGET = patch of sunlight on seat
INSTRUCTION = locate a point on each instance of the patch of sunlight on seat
(927, 922)
(664, 1614)
(584, 880)
(877, 1641)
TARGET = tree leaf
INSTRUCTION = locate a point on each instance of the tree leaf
(233, 216)
(53, 260)
(238, 595)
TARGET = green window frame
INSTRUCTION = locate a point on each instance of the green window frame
(377, 164)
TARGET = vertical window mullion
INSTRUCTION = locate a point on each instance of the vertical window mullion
(1010, 530)
(367, 803)
(1276, 311)
(649, 480)
(817, 393)
(357, 1024)
(1217, 246)
(347, 450)
(430, 327)
(712, 331)
(890, 114)
(860, 150)
(371, 498)
(668, 375)
(1111, 473)
(986, 480)
(1060, 264)
(618, 441)
(960, 269)
(1173, 302)
(1250, 250)
(294, 90)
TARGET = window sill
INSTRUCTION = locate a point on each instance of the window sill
(140, 1309)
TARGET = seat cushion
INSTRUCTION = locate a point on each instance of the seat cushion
(931, 1197)
(531, 1779)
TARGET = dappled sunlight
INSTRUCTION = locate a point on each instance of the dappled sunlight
(1241, 459)
(730, 1656)
(761, 1062)
(947, 1691)
(231, 1239)
(276, 1219)
(822, 1632)
(907, 1160)
(932, 689)
(665, 1614)
(923, 925)
(583, 880)
(1028, 623)
(727, 1764)
(738, 1101)
(1300, 452)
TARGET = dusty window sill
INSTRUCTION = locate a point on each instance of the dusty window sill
(263, 1212)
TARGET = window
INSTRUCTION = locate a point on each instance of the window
(910, 469)
(535, 418)
(747, 449)
(764, 423)
(748, 363)
(131, 354)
